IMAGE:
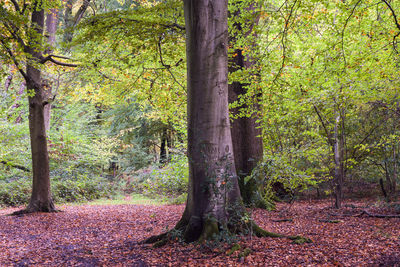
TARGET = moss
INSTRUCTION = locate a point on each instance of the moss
(259, 232)
(160, 243)
(210, 229)
(234, 248)
(246, 252)
(300, 239)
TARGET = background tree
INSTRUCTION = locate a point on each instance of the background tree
(26, 44)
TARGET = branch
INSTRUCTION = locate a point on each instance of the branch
(344, 28)
(168, 67)
(395, 21)
(15, 166)
(14, 59)
(16, 6)
(328, 135)
(81, 12)
(50, 58)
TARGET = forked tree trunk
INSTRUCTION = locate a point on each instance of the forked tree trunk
(41, 199)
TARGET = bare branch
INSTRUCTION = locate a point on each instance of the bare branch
(50, 58)
(63, 63)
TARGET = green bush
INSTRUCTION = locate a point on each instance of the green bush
(169, 181)
(18, 192)
(82, 189)
(15, 193)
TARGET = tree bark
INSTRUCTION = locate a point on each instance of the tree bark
(213, 185)
(41, 199)
(8, 81)
(246, 131)
(338, 158)
(51, 28)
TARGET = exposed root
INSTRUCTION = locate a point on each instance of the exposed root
(378, 215)
(29, 211)
(156, 238)
(259, 232)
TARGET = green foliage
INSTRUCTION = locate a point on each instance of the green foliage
(14, 193)
(82, 189)
(280, 170)
(170, 181)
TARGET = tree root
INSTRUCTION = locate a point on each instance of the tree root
(259, 232)
(28, 210)
(211, 230)
(368, 214)
(377, 215)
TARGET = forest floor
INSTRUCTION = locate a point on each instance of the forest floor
(110, 235)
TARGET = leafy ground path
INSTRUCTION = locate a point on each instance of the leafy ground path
(109, 235)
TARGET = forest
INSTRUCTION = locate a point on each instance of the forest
(199, 133)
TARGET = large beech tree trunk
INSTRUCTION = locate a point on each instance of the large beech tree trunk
(41, 199)
(213, 185)
(214, 201)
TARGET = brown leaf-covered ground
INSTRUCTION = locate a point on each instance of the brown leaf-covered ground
(110, 236)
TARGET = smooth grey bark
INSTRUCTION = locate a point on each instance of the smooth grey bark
(339, 161)
(51, 28)
(213, 184)
(41, 199)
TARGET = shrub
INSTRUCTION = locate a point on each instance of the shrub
(15, 192)
(169, 181)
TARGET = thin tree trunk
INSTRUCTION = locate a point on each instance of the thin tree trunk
(68, 22)
(8, 81)
(41, 199)
(338, 157)
(163, 147)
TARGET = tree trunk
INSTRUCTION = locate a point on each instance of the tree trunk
(163, 147)
(213, 185)
(68, 22)
(338, 157)
(246, 132)
(51, 28)
(8, 81)
(41, 199)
